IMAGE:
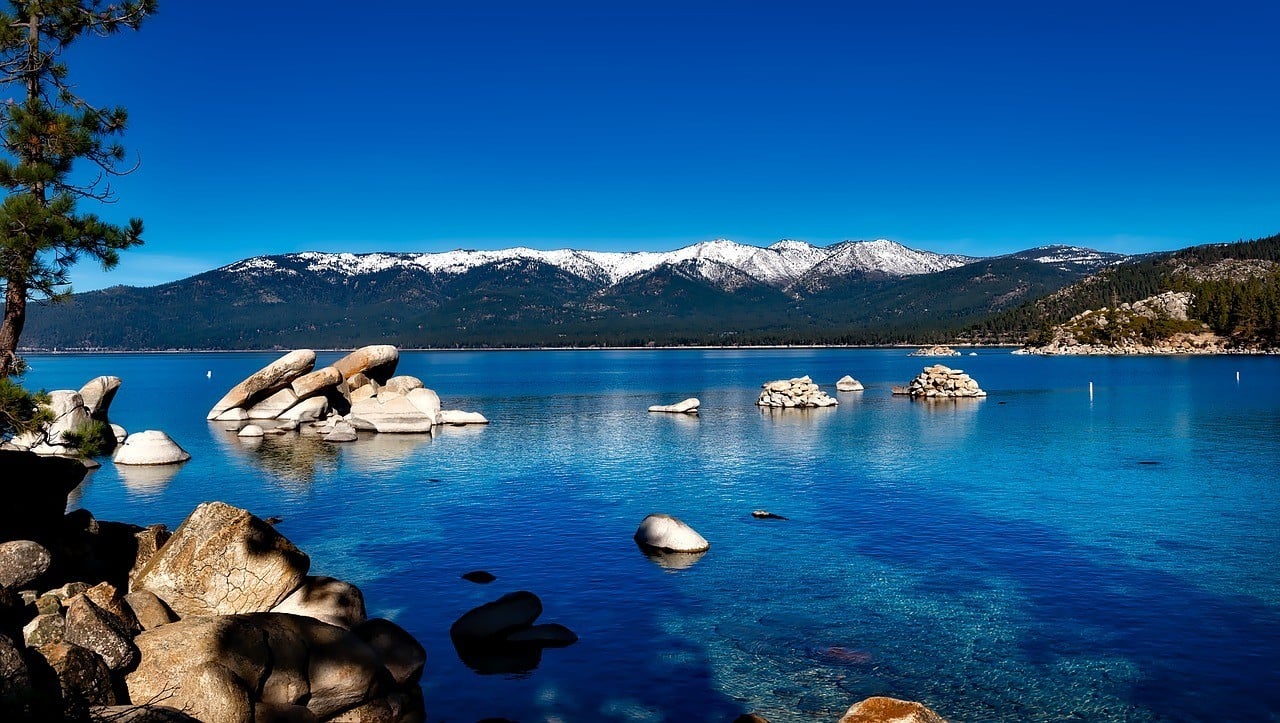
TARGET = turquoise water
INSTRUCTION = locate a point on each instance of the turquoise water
(1037, 555)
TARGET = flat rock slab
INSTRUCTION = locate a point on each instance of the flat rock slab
(274, 376)
(688, 406)
(223, 560)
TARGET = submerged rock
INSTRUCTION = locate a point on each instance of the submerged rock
(766, 515)
(880, 709)
(509, 613)
(479, 576)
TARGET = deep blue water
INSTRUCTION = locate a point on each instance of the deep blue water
(1015, 558)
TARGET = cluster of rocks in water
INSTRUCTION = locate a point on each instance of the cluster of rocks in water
(939, 381)
(938, 350)
(218, 621)
(79, 415)
(800, 392)
(359, 392)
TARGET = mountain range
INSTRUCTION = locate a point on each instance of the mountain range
(715, 292)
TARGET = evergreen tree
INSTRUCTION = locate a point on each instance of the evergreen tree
(42, 234)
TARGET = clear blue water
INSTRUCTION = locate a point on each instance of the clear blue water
(1005, 559)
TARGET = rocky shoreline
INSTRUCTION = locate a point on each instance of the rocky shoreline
(219, 621)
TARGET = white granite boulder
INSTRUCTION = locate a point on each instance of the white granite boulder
(847, 383)
(403, 384)
(150, 447)
(458, 418)
(251, 431)
(271, 406)
(221, 560)
(669, 534)
(307, 410)
(266, 381)
(688, 406)
(398, 415)
(98, 394)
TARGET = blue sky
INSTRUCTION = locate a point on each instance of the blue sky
(977, 128)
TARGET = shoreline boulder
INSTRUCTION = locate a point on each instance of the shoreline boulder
(880, 709)
(223, 560)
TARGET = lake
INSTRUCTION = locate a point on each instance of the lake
(1046, 553)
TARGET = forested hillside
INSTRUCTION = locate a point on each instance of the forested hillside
(1236, 290)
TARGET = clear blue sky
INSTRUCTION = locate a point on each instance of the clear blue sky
(969, 127)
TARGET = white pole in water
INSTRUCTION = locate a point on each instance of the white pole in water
(1091, 391)
(208, 374)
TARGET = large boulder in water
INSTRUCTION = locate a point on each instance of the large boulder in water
(880, 709)
(98, 394)
(669, 534)
(150, 447)
(397, 415)
(265, 381)
(688, 406)
(509, 613)
(378, 362)
(220, 560)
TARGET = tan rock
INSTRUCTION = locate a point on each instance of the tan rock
(328, 600)
(266, 380)
(880, 709)
(378, 362)
(82, 674)
(316, 382)
(307, 410)
(223, 560)
(148, 609)
(403, 384)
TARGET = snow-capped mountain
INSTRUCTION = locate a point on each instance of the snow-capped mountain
(1070, 258)
(779, 265)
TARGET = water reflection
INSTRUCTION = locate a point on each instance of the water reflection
(672, 561)
(148, 480)
(384, 452)
(798, 417)
(291, 458)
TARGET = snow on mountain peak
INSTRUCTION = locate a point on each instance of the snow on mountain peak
(780, 264)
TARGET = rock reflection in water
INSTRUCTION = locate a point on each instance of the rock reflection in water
(498, 658)
(147, 479)
(291, 458)
(798, 417)
(673, 561)
(375, 452)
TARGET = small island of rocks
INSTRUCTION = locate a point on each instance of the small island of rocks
(799, 392)
(938, 350)
(939, 381)
(359, 392)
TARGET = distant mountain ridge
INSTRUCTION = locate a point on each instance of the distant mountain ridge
(780, 265)
(715, 292)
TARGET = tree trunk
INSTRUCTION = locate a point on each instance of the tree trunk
(15, 317)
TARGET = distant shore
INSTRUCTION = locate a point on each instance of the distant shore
(518, 348)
